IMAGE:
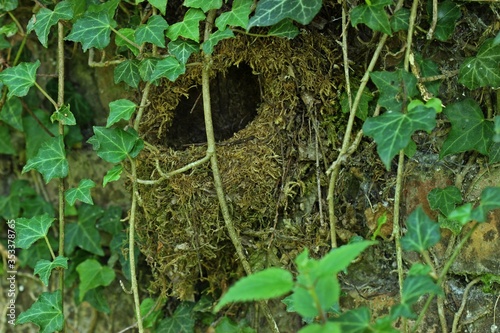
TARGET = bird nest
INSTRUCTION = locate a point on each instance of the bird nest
(266, 155)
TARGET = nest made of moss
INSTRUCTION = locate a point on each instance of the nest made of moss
(180, 227)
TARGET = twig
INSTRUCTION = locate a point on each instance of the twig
(458, 314)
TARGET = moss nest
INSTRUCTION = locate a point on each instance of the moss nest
(264, 151)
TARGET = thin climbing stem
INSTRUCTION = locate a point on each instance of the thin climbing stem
(211, 149)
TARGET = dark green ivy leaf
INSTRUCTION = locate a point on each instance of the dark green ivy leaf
(285, 29)
(204, 5)
(215, 38)
(444, 199)
(50, 160)
(188, 27)
(483, 70)
(395, 88)
(422, 234)
(448, 15)
(400, 20)
(84, 233)
(46, 313)
(31, 230)
(114, 144)
(490, 200)
(237, 17)
(182, 321)
(182, 49)
(128, 72)
(12, 113)
(44, 268)
(373, 14)
(46, 18)
(153, 32)
(169, 67)
(82, 192)
(19, 79)
(269, 12)
(92, 30)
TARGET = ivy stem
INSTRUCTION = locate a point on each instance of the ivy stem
(211, 149)
(442, 275)
(51, 100)
(62, 186)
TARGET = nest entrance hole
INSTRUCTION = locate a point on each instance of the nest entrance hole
(235, 96)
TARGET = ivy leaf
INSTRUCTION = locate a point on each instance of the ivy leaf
(483, 70)
(112, 175)
(110, 222)
(128, 72)
(469, 129)
(356, 320)
(108, 7)
(414, 287)
(448, 15)
(490, 200)
(269, 12)
(328, 327)
(5, 144)
(182, 49)
(146, 68)
(429, 68)
(127, 33)
(395, 88)
(8, 5)
(19, 79)
(84, 233)
(170, 68)
(44, 267)
(153, 32)
(82, 192)
(373, 15)
(148, 307)
(46, 18)
(97, 299)
(93, 275)
(113, 144)
(161, 5)
(120, 109)
(422, 234)
(50, 160)
(392, 131)
(181, 321)
(269, 283)
(363, 106)
(237, 17)
(215, 38)
(400, 19)
(462, 214)
(64, 116)
(31, 230)
(46, 313)
(496, 138)
(12, 113)
(494, 153)
(188, 27)
(205, 5)
(444, 199)
(92, 30)
(285, 29)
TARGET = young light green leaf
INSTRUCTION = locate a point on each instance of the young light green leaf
(50, 161)
(92, 275)
(44, 267)
(237, 17)
(285, 29)
(84, 233)
(120, 109)
(373, 15)
(482, 70)
(462, 214)
(490, 200)
(148, 307)
(82, 192)
(92, 30)
(395, 88)
(170, 68)
(444, 199)
(392, 131)
(469, 129)
(123, 37)
(204, 5)
(338, 259)
(113, 144)
(188, 27)
(46, 18)
(46, 313)
(182, 320)
(448, 15)
(422, 234)
(161, 5)
(269, 12)
(182, 49)
(5, 144)
(8, 30)
(153, 32)
(12, 112)
(309, 291)
(400, 20)
(328, 327)
(112, 175)
(19, 79)
(215, 38)
(128, 72)
(64, 116)
(269, 283)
